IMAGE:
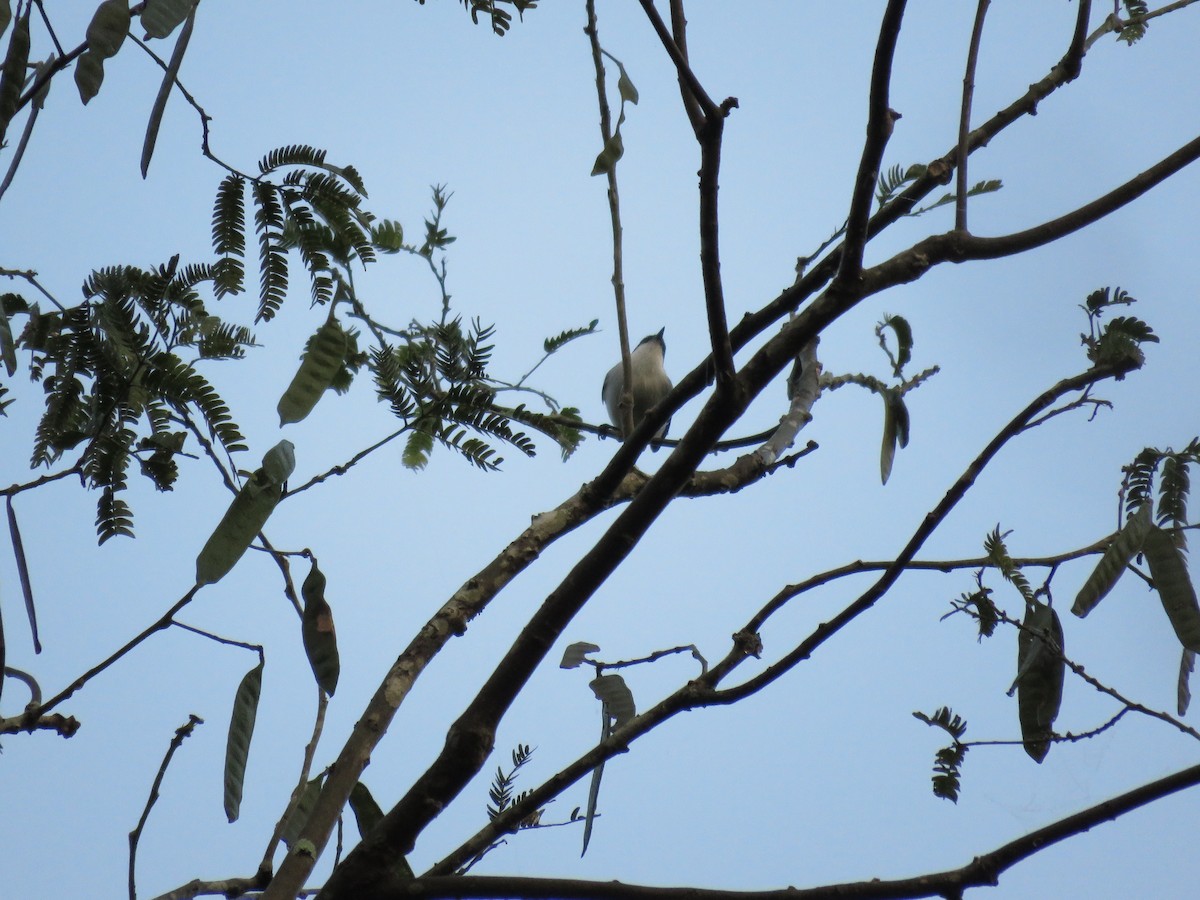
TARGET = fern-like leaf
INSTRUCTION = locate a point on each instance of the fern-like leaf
(997, 552)
(273, 271)
(291, 155)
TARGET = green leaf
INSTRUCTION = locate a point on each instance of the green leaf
(246, 516)
(164, 89)
(1113, 562)
(576, 654)
(625, 87)
(18, 546)
(298, 816)
(1169, 571)
(318, 633)
(614, 693)
(241, 730)
(416, 450)
(606, 161)
(387, 236)
(12, 76)
(106, 32)
(366, 811)
(1039, 681)
(161, 17)
(5, 16)
(322, 360)
(89, 75)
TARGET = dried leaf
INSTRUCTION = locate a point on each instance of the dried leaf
(576, 654)
(317, 631)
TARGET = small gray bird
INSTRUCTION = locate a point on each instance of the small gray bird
(650, 382)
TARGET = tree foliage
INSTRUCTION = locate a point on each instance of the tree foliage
(142, 376)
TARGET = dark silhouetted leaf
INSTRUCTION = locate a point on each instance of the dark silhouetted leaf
(241, 730)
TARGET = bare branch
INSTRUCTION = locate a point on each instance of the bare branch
(182, 733)
(689, 84)
(614, 213)
(929, 523)
(880, 119)
(964, 120)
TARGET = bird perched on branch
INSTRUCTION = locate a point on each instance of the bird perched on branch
(650, 383)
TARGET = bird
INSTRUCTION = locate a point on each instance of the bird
(650, 383)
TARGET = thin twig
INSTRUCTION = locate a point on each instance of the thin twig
(181, 734)
(31, 276)
(614, 212)
(310, 751)
(163, 622)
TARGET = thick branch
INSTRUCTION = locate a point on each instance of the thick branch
(983, 871)
(880, 118)
(688, 82)
(964, 117)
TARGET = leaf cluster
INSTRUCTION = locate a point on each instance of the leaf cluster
(502, 791)
(438, 385)
(947, 762)
(116, 386)
(1117, 341)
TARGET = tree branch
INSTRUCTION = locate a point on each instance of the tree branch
(880, 119)
(182, 733)
(983, 871)
(964, 119)
(689, 84)
(928, 525)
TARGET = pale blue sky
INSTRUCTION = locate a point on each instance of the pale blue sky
(825, 776)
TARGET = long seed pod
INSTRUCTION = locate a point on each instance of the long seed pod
(246, 516)
(316, 628)
(1114, 561)
(241, 730)
(1039, 682)
(322, 360)
(1170, 574)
